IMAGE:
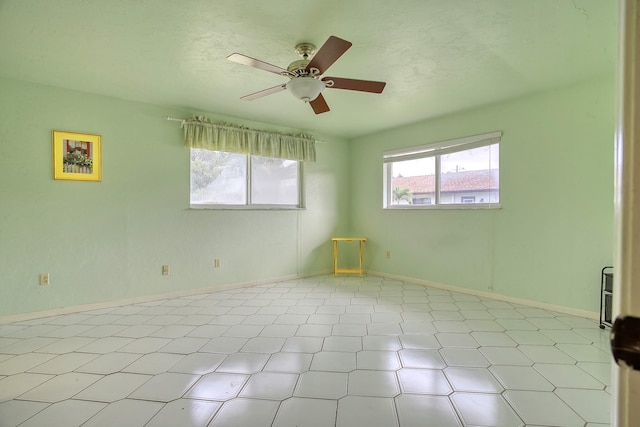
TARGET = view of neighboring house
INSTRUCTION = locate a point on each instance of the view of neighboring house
(479, 186)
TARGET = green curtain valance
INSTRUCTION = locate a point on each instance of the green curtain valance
(200, 132)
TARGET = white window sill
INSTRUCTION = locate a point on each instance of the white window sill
(456, 206)
(246, 207)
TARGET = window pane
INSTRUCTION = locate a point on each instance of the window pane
(218, 177)
(413, 182)
(470, 176)
(274, 181)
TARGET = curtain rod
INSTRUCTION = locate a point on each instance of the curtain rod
(175, 119)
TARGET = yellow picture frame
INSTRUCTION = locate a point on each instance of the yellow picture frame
(77, 156)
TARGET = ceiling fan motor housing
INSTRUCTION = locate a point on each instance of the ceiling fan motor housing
(299, 67)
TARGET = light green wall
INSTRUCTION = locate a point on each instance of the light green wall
(107, 241)
(554, 231)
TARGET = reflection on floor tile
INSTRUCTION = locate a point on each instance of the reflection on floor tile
(270, 385)
(185, 413)
(423, 381)
(165, 387)
(413, 409)
(320, 352)
(217, 386)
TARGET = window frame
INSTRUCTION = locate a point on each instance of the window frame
(248, 180)
(436, 150)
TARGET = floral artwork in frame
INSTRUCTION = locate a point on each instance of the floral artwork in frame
(77, 156)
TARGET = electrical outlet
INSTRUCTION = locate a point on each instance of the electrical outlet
(216, 263)
(165, 270)
(44, 279)
(388, 255)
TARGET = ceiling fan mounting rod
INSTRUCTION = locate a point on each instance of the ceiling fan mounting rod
(305, 50)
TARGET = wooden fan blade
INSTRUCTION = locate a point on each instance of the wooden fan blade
(353, 84)
(329, 53)
(265, 92)
(319, 105)
(252, 62)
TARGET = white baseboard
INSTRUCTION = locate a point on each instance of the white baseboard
(21, 317)
(537, 304)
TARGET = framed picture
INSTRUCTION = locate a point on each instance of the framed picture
(77, 156)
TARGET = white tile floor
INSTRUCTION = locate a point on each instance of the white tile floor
(315, 352)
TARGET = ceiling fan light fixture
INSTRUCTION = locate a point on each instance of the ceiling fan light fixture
(305, 88)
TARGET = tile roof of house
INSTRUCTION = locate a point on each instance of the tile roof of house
(453, 181)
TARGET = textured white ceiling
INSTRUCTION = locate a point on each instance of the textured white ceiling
(437, 56)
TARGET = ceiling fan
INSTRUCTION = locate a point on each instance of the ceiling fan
(307, 79)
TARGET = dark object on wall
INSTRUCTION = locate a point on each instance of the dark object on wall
(606, 296)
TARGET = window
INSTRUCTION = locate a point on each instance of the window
(460, 173)
(221, 179)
